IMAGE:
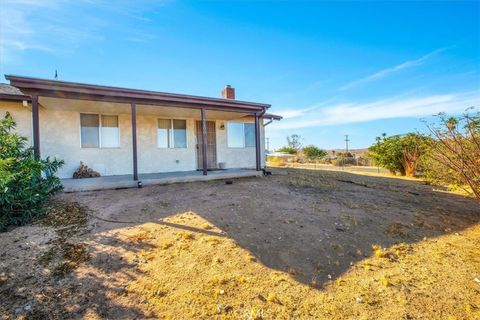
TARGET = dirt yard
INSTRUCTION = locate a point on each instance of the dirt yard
(295, 245)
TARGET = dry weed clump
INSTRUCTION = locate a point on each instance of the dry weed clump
(393, 253)
(73, 256)
(187, 236)
(206, 226)
(140, 237)
(397, 229)
(68, 219)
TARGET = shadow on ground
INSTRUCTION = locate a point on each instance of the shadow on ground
(315, 222)
(311, 224)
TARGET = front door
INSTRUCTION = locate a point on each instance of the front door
(211, 145)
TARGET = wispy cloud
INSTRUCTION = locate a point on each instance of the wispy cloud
(42, 26)
(141, 36)
(388, 71)
(396, 107)
(59, 26)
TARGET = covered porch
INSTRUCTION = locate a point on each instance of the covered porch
(126, 181)
(57, 108)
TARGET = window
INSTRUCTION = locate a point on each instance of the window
(172, 133)
(235, 135)
(163, 133)
(179, 133)
(240, 135)
(249, 134)
(89, 130)
(99, 131)
(109, 132)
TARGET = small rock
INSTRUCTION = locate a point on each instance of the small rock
(359, 300)
(221, 308)
(120, 289)
(262, 298)
(221, 292)
(27, 307)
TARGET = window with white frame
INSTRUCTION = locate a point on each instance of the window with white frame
(172, 133)
(240, 134)
(99, 131)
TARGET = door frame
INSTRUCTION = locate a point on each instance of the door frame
(198, 130)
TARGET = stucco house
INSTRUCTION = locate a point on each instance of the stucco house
(132, 133)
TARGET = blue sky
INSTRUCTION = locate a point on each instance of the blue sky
(330, 68)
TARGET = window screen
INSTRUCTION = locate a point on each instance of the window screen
(179, 133)
(235, 135)
(163, 133)
(249, 135)
(110, 133)
(89, 131)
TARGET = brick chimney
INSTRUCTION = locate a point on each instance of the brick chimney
(228, 92)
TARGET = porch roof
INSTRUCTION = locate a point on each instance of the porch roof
(81, 91)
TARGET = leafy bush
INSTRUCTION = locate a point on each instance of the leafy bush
(399, 153)
(25, 181)
(313, 152)
(288, 150)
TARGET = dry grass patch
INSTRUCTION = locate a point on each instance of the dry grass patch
(218, 279)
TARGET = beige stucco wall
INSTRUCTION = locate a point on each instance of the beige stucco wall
(236, 157)
(60, 137)
(22, 116)
(154, 159)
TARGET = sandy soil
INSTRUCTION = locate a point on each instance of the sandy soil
(295, 245)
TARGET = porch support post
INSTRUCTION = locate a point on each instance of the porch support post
(36, 127)
(134, 141)
(204, 142)
(258, 153)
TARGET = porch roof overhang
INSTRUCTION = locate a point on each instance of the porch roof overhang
(72, 90)
(272, 116)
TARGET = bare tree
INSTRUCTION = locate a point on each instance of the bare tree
(456, 147)
(293, 141)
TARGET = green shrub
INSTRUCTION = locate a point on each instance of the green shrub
(25, 182)
(287, 149)
(399, 153)
(313, 152)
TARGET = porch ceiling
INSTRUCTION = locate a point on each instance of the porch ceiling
(87, 106)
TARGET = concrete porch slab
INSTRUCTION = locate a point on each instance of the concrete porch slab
(126, 181)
